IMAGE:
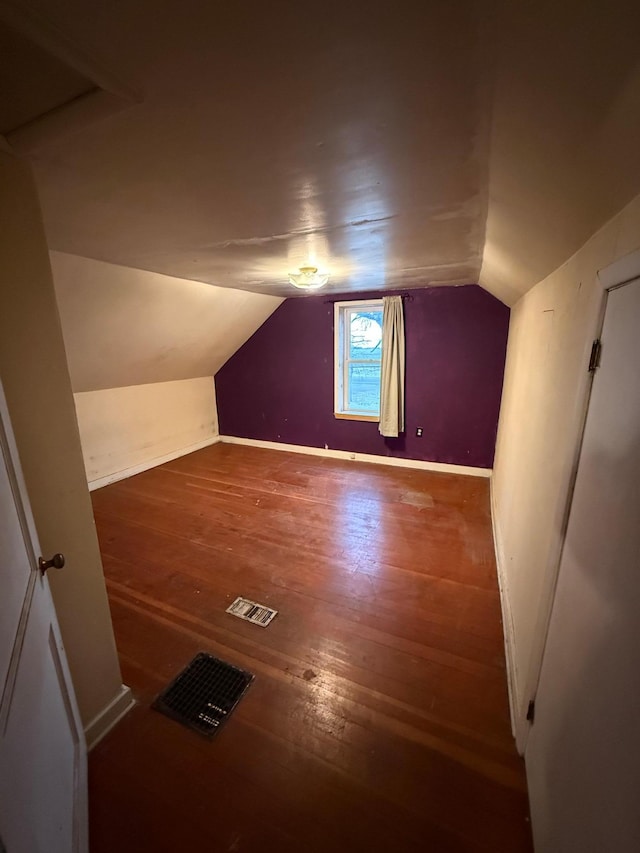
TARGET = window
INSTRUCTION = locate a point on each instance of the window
(358, 353)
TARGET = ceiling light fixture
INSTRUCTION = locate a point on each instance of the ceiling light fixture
(308, 278)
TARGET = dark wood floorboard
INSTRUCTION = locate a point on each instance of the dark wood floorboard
(378, 719)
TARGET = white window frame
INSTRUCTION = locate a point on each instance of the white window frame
(341, 358)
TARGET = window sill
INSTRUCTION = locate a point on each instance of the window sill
(349, 416)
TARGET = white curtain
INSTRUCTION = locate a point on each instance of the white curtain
(392, 370)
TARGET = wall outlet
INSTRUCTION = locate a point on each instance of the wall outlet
(419, 432)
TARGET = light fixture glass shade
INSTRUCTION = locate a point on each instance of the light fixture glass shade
(308, 278)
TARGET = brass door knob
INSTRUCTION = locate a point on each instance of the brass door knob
(56, 562)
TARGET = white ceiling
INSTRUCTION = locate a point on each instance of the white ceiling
(380, 140)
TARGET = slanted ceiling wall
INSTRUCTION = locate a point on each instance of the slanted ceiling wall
(142, 351)
(565, 133)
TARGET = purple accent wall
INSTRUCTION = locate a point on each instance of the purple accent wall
(279, 385)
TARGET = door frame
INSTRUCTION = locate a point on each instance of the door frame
(9, 451)
(614, 275)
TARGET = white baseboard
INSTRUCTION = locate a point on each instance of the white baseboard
(507, 625)
(150, 463)
(111, 714)
(395, 461)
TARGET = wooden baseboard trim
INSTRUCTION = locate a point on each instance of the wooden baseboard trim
(150, 463)
(394, 461)
(111, 714)
(507, 624)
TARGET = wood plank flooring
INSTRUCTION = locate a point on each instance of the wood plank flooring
(378, 719)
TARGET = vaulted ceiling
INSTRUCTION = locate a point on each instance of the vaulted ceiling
(393, 144)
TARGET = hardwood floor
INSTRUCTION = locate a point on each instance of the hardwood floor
(378, 719)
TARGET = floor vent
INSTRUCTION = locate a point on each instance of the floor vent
(204, 694)
(252, 612)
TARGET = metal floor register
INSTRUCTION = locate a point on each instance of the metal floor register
(252, 612)
(204, 694)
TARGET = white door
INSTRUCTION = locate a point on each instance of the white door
(43, 799)
(583, 753)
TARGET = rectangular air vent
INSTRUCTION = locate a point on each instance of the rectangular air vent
(252, 612)
(204, 694)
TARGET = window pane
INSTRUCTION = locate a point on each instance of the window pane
(364, 388)
(365, 339)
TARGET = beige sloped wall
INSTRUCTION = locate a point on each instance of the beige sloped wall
(125, 326)
(546, 381)
(143, 349)
(36, 381)
(125, 429)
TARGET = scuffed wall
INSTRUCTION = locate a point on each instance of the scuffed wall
(141, 425)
